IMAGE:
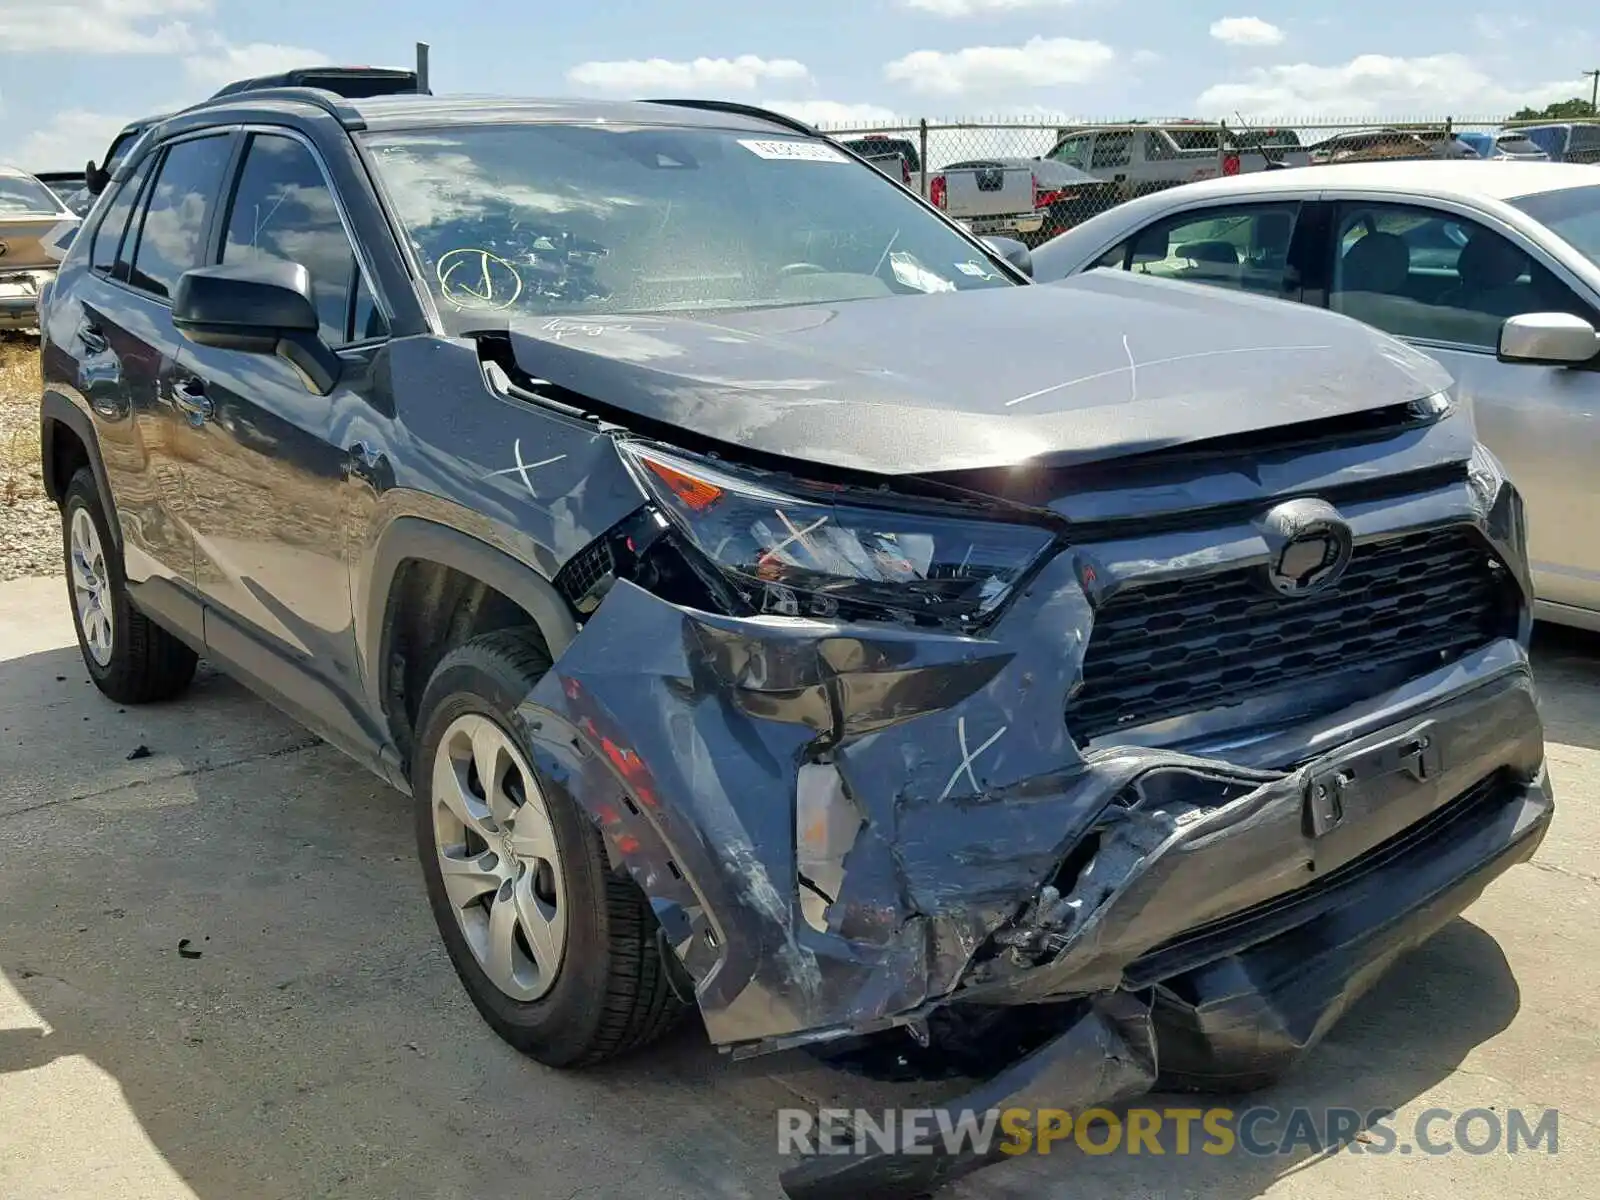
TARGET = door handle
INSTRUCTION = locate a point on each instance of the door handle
(190, 396)
(93, 338)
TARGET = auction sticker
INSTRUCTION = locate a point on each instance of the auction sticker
(793, 151)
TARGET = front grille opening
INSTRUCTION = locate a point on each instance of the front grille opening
(1164, 650)
(585, 571)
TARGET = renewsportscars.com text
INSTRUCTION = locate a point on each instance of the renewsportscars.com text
(1258, 1132)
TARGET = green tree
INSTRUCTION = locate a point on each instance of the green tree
(1561, 110)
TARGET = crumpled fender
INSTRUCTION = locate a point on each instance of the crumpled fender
(690, 737)
(702, 723)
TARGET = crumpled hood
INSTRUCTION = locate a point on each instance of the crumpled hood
(1097, 366)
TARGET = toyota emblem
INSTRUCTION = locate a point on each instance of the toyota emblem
(1308, 547)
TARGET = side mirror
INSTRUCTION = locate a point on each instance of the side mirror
(257, 308)
(1014, 252)
(1548, 339)
(94, 179)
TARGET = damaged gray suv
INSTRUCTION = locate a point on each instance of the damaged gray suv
(778, 606)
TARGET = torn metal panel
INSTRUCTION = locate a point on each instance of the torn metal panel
(953, 796)
(1240, 1000)
(1108, 1054)
(1231, 1024)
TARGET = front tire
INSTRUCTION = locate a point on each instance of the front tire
(556, 950)
(130, 658)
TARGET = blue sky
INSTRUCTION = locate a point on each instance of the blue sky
(71, 71)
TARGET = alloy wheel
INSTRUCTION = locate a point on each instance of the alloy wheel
(91, 588)
(498, 857)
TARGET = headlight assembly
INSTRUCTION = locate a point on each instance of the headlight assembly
(820, 551)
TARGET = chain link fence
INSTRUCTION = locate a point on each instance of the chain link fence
(1031, 180)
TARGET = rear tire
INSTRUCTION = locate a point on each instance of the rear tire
(556, 950)
(130, 658)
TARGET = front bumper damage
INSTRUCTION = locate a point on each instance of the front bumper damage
(845, 829)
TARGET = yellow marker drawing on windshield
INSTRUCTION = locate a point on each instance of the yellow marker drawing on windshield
(472, 278)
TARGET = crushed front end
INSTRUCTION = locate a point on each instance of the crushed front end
(1256, 720)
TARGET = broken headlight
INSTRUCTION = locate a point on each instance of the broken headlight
(813, 550)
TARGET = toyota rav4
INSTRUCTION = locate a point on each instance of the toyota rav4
(778, 605)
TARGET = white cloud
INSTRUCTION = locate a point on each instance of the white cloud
(740, 74)
(99, 26)
(1246, 31)
(1039, 62)
(972, 8)
(222, 62)
(70, 139)
(1494, 27)
(833, 114)
(1431, 86)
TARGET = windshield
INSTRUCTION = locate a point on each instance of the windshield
(118, 151)
(19, 194)
(1516, 144)
(554, 219)
(1572, 214)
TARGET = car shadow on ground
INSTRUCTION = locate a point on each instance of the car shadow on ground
(1396, 1044)
(1568, 660)
(315, 1042)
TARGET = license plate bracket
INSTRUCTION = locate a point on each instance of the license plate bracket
(1359, 785)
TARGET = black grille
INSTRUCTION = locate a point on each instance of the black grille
(1166, 649)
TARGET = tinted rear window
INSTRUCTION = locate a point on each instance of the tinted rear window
(1517, 145)
(1249, 139)
(103, 252)
(178, 213)
(1195, 139)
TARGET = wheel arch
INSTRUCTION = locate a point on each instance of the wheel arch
(66, 441)
(411, 556)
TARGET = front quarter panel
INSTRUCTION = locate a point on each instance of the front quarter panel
(528, 484)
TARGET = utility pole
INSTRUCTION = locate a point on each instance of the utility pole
(1594, 92)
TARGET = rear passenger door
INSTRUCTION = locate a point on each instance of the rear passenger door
(1446, 282)
(156, 227)
(271, 472)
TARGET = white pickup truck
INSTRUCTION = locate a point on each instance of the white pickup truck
(1145, 158)
(1029, 199)
(988, 197)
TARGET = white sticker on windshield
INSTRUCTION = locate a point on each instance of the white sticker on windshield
(976, 270)
(793, 151)
(912, 274)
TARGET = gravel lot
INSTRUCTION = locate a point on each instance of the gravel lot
(30, 537)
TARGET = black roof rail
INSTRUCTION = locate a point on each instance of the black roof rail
(331, 103)
(745, 110)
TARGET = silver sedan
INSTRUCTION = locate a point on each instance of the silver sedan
(34, 229)
(1491, 267)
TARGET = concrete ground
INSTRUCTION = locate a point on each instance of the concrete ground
(319, 1045)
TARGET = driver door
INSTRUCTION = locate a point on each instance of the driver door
(271, 475)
